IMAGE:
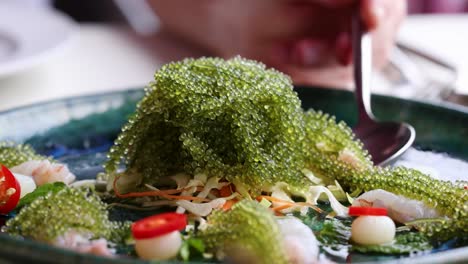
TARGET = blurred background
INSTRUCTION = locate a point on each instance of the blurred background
(115, 10)
(66, 48)
(118, 11)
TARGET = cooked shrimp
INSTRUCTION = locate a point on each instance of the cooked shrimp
(299, 241)
(400, 208)
(83, 244)
(45, 172)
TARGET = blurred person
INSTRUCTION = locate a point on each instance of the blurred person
(308, 39)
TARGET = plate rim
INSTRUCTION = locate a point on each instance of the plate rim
(453, 255)
(445, 105)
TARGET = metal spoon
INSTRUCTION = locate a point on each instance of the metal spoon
(385, 141)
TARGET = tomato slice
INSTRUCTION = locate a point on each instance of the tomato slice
(10, 191)
(357, 211)
(158, 225)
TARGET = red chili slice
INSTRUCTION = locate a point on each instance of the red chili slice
(10, 191)
(158, 225)
(376, 211)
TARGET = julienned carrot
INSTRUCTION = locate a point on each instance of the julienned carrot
(149, 193)
(277, 210)
(281, 207)
(274, 199)
(161, 194)
(185, 197)
(168, 194)
(228, 204)
(314, 207)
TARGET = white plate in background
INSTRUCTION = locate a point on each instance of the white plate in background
(29, 35)
(443, 35)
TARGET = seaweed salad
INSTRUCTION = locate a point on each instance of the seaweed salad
(219, 162)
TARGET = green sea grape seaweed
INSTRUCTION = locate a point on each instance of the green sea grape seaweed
(248, 228)
(233, 119)
(13, 154)
(56, 213)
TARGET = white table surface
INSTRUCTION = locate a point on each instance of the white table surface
(104, 58)
(445, 36)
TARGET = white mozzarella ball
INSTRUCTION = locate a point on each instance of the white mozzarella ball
(159, 248)
(373, 230)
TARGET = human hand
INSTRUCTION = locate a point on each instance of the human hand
(307, 39)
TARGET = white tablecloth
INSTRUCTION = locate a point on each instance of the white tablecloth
(103, 58)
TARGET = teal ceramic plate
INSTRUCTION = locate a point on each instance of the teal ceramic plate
(79, 131)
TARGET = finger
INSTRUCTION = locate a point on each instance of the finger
(372, 13)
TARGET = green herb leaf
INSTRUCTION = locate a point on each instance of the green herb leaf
(40, 191)
(312, 219)
(197, 244)
(184, 251)
(405, 243)
(334, 233)
(191, 247)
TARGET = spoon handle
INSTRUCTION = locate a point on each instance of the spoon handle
(362, 61)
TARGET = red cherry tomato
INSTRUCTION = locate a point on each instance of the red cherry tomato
(158, 225)
(10, 191)
(376, 211)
